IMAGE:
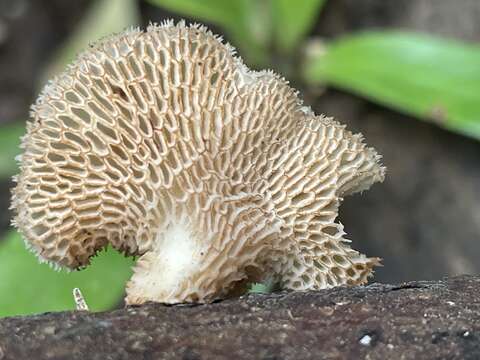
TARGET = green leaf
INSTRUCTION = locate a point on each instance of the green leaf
(292, 20)
(247, 22)
(217, 11)
(433, 79)
(103, 18)
(28, 287)
(9, 148)
(267, 287)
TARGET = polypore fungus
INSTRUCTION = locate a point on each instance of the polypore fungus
(165, 145)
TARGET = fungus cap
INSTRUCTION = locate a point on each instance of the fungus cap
(165, 145)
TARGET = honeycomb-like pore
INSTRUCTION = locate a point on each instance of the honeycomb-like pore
(164, 145)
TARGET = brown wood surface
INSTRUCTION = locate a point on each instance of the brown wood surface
(416, 320)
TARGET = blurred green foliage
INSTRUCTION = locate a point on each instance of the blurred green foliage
(10, 148)
(430, 78)
(433, 79)
(292, 21)
(254, 26)
(103, 18)
(29, 287)
(243, 20)
(263, 288)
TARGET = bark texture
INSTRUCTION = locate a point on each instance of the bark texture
(416, 320)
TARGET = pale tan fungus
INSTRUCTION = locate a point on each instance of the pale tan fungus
(165, 145)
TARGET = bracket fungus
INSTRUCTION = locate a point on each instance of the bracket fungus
(163, 144)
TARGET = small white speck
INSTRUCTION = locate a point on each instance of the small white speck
(290, 315)
(466, 334)
(451, 303)
(390, 346)
(80, 303)
(366, 340)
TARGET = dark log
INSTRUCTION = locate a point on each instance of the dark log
(416, 320)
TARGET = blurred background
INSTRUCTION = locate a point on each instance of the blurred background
(406, 74)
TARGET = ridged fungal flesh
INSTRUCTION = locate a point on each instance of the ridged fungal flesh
(165, 145)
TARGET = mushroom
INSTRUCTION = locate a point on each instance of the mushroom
(163, 144)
